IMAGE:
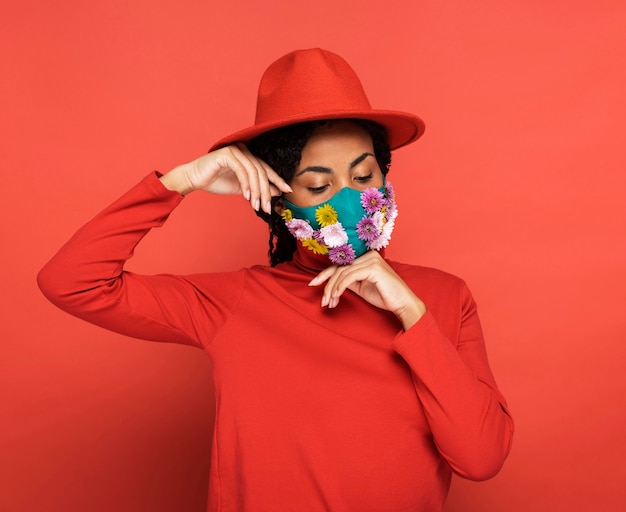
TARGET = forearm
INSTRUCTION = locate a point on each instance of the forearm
(86, 277)
(467, 414)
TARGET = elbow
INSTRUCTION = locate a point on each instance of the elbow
(47, 281)
(482, 458)
(54, 285)
(480, 466)
(480, 469)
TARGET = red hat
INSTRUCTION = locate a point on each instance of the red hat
(308, 85)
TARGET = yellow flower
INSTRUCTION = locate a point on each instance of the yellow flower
(315, 246)
(326, 215)
(287, 215)
(383, 210)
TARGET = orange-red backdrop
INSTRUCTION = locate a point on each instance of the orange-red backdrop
(517, 186)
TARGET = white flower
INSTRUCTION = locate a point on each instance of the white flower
(385, 236)
(378, 219)
(334, 235)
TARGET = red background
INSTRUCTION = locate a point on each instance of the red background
(517, 186)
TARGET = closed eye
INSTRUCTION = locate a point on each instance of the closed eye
(364, 179)
(317, 190)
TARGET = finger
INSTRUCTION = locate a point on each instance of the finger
(331, 295)
(350, 277)
(259, 177)
(276, 179)
(231, 162)
(323, 276)
(252, 171)
(336, 285)
(270, 182)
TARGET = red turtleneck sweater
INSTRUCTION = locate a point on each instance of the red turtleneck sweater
(317, 409)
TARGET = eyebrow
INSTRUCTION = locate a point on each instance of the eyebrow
(328, 170)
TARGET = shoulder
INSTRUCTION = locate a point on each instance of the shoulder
(446, 296)
(435, 287)
(426, 276)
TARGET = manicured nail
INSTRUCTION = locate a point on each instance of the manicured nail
(257, 204)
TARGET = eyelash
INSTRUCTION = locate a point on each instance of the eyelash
(360, 179)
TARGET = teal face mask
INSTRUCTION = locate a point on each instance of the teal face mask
(347, 225)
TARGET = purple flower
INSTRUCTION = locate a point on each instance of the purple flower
(383, 239)
(392, 210)
(391, 193)
(342, 255)
(367, 230)
(372, 200)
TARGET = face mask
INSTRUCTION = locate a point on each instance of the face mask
(347, 225)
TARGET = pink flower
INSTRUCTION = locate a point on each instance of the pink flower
(342, 255)
(383, 239)
(372, 200)
(300, 229)
(334, 235)
(367, 229)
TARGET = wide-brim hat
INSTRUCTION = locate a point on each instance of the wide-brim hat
(315, 84)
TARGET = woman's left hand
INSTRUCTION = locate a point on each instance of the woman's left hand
(372, 279)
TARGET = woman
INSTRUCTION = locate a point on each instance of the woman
(344, 381)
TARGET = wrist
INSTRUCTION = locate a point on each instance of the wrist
(178, 180)
(411, 314)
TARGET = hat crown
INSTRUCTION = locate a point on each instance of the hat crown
(309, 82)
(315, 84)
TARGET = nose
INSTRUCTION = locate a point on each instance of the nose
(344, 181)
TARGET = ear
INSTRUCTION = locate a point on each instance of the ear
(279, 206)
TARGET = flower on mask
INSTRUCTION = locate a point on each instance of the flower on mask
(313, 245)
(372, 200)
(391, 210)
(374, 228)
(390, 193)
(300, 229)
(383, 239)
(333, 235)
(326, 215)
(342, 255)
(367, 229)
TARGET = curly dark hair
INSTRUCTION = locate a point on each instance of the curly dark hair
(282, 149)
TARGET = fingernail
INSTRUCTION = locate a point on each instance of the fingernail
(257, 204)
(268, 207)
(246, 194)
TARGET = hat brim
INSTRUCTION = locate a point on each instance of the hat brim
(402, 128)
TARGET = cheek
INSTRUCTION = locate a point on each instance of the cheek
(298, 197)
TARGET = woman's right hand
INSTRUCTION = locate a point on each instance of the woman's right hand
(229, 170)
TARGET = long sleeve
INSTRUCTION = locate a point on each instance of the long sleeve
(87, 279)
(468, 416)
